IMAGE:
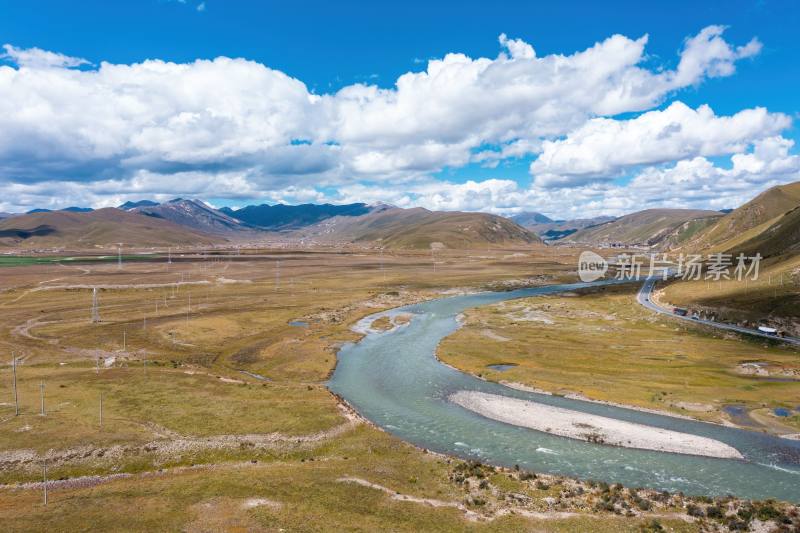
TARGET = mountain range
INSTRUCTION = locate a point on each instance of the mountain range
(96, 228)
(650, 227)
(283, 217)
(769, 224)
(189, 221)
(553, 230)
(196, 215)
(419, 228)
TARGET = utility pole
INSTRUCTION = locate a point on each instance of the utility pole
(95, 310)
(169, 256)
(41, 396)
(16, 396)
(119, 256)
(124, 340)
(277, 275)
(188, 309)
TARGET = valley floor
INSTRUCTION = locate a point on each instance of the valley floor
(198, 401)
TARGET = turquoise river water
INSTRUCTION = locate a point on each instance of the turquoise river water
(394, 379)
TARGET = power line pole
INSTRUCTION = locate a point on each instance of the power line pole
(95, 310)
(16, 396)
(119, 256)
(41, 395)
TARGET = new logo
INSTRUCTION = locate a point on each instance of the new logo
(591, 266)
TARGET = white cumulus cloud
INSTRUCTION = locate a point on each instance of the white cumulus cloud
(602, 148)
(234, 128)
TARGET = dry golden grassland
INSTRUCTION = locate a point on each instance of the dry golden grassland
(603, 345)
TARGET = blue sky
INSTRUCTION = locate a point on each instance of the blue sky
(332, 45)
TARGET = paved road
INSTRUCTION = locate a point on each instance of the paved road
(644, 298)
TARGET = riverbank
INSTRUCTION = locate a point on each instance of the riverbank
(588, 427)
(599, 346)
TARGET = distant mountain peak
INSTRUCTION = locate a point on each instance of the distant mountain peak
(127, 206)
(280, 217)
(72, 209)
(194, 214)
(380, 206)
(529, 218)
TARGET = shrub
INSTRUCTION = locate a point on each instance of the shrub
(654, 525)
(694, 510)
(643, 504)
(767, 511)
(745, 512)
(604, 505)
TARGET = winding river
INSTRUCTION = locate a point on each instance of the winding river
(394, 379)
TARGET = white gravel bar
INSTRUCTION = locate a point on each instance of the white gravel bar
(588, 427)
